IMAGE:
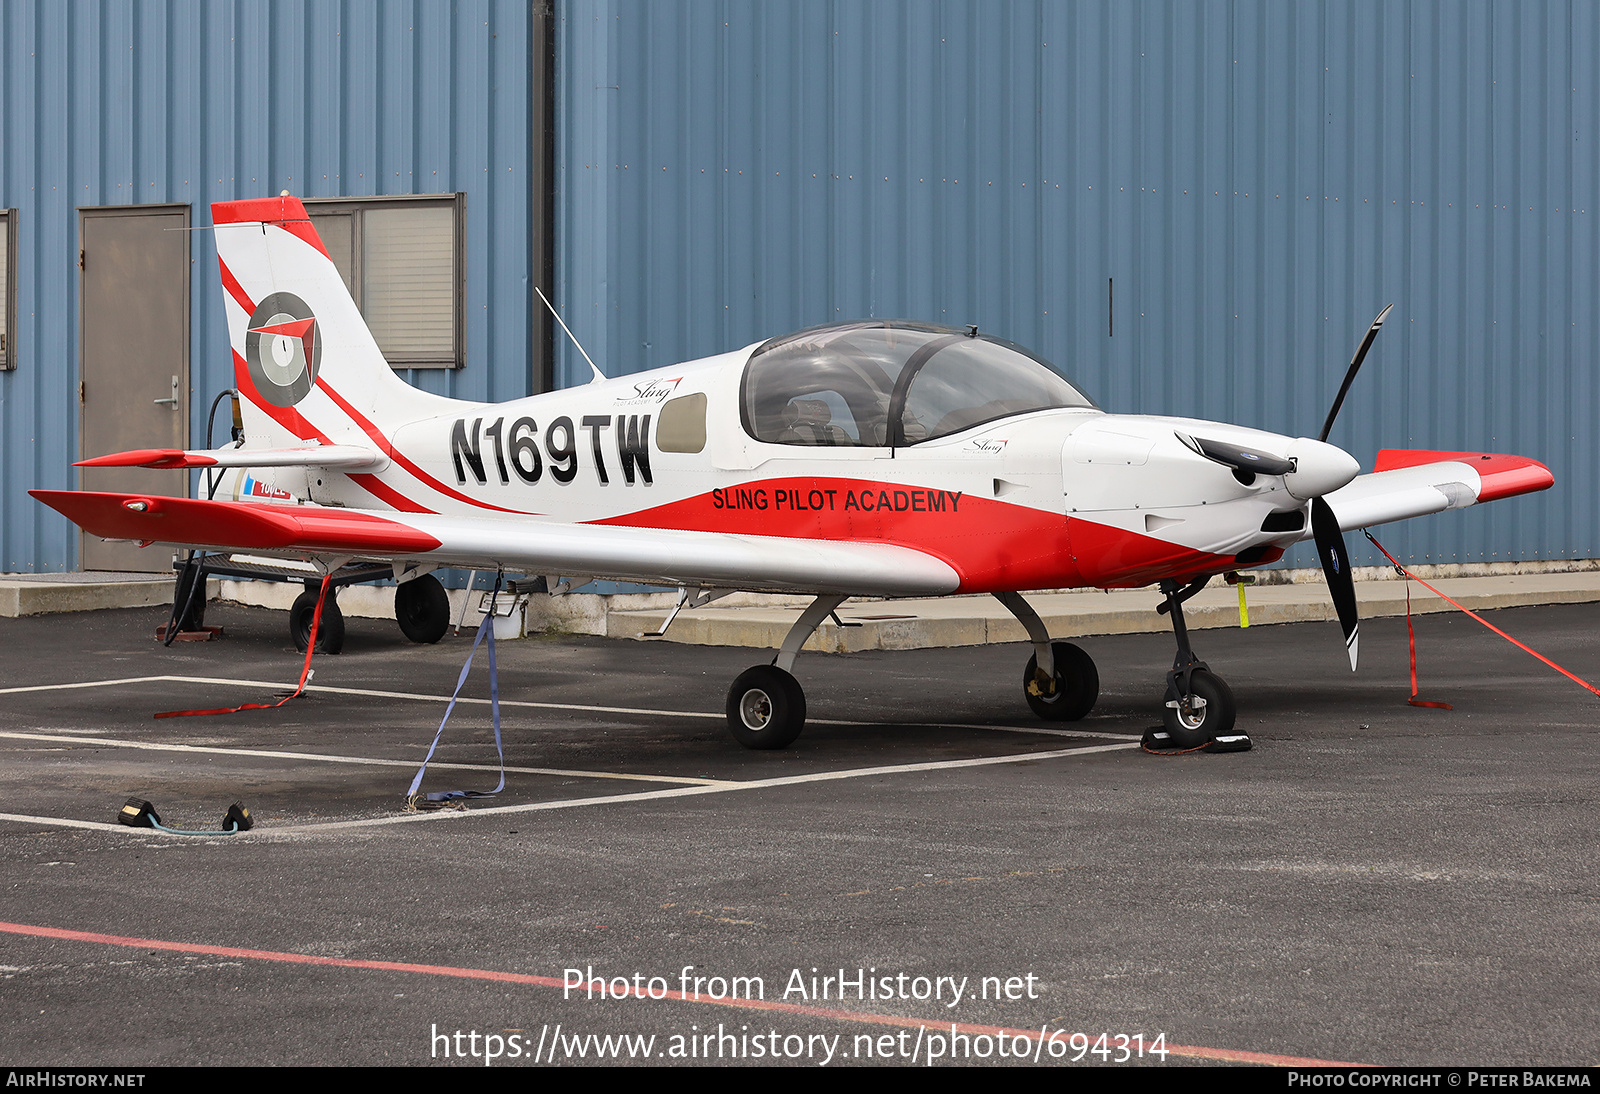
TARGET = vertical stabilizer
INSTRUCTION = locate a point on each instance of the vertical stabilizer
(305, 363)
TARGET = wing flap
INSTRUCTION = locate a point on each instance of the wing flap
(335, 457)
(1412, 483)
(651, 555)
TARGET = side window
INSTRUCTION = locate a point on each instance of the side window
(401, 259)
(682, 425)
(8, 287)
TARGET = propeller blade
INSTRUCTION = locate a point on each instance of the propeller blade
(1240, 459)
(1350, 375)
(1336, 565)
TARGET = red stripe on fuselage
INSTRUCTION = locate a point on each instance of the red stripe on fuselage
(1111, 557)
(422, 476)
(991, 544)
(994, 545)
(386, 493)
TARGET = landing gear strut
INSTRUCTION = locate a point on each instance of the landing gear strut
(766, 705)
(1199, 705)
(1060, 683)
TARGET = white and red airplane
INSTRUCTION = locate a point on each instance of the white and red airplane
(873, 458)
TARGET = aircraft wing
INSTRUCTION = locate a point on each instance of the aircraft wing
(1407, 483)
(335, 457)
(522, 545)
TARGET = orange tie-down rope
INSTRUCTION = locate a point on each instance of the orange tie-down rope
(1410, 577)
(305, 670)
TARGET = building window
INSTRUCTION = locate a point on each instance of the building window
(8, 288)
(401, 258)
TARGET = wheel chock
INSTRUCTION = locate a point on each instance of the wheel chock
(237, 819)
(138, 813)
(1158, 739)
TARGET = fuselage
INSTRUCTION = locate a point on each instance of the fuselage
(1049, 498)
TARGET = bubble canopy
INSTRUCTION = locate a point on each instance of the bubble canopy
(888, 384)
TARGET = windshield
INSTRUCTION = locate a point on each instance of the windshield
(879, 384)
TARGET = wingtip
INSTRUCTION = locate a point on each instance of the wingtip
(162, 458)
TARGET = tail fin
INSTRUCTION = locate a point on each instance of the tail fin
(305, 364)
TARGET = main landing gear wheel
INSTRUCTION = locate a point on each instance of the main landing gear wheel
(1201, 716)
(766, 708)
(422, 608)
(1077, 685)
(330, 629)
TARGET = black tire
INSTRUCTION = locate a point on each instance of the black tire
(1190, 727)
(422, 608)
(330, 629)
(1077, 685)
(766, 708)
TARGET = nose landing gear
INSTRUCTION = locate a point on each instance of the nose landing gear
(1200, 708)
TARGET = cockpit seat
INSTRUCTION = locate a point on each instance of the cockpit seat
(809, 421)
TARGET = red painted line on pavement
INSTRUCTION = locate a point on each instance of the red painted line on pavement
(1197, 1052)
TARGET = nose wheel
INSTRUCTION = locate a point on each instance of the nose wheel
(1199, 710)
(1202, 713)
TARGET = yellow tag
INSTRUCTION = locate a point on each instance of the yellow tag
(1244, 613)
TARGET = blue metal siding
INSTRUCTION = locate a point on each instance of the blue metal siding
(1258, 178)
(193, 101)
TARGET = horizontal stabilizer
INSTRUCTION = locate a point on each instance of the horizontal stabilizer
(1407, 483)
(335, 457)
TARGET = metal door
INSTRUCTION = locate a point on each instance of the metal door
(133, 359)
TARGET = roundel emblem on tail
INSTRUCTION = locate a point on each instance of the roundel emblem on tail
(283, 348)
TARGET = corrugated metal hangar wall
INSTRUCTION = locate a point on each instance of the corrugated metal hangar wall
(1257, 179)
(128, 102)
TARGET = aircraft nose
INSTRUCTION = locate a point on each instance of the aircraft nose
(1320, 468)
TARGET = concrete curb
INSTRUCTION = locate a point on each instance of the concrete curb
(21, 596)
(762, 623)
(981, 620)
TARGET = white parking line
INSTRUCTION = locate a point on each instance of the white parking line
(607, 799)
(692, 791)
(370, 761)
(85, 684)
(687, 786)
(63, 822)
(422, 697)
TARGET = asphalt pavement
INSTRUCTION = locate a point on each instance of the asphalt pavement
(1373, 883)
